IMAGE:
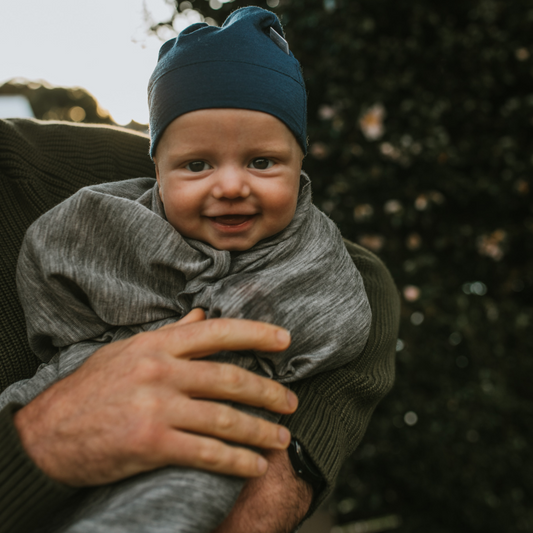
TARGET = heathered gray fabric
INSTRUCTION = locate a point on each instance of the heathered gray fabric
(105, 264)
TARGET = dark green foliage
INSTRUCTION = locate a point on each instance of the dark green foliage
(444, 197)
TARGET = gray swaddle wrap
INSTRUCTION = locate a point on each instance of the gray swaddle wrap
(105, 264)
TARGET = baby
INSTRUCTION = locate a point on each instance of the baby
(228, 226)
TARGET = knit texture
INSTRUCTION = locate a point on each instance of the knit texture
(43, 163)
(23, 488)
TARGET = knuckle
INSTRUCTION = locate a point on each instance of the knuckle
(150, 369)
(144, 342)
(143, 440)
(209, 453)
(270, 392)
(225, 420)
(233, 376)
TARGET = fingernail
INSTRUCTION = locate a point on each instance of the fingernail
(284, 435)
(262, 465)
(292, 400)
(284, 337)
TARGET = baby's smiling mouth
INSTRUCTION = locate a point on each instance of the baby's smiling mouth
(232, 220)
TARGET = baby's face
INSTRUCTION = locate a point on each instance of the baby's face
(228, 177)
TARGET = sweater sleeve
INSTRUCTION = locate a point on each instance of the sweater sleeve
(335, 407)
(27, 495)
(41, 164)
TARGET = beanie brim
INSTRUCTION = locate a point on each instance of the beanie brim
(258, 88)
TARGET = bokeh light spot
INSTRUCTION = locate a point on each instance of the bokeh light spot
(371, 122)
(372, 242)
(410, 418)
(347, 505)
(392, 207)
(522, 54)
(475, 287)
(76, 113)
(455, 338)
(417, 318)
(362, 212)
(411, 293)
(413, 241)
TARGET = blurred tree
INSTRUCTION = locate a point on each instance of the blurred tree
(58, 103)
(420, 128)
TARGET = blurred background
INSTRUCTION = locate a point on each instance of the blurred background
(421, 149)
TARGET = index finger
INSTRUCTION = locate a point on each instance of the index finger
(207, 337)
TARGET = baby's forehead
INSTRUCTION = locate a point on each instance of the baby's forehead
(229, 128)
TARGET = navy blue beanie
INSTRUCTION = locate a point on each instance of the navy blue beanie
(245, 64)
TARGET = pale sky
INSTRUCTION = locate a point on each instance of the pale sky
(99, 45)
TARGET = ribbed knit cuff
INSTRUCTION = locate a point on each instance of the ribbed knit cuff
(27, 495)
(317, 426)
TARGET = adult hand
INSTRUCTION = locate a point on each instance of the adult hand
(273, 503)
(142, 403)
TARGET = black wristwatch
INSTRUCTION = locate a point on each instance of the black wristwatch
(304, 467)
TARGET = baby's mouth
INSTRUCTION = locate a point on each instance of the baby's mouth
(232, 220)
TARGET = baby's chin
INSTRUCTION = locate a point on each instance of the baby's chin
(232, 247)
(237, 246)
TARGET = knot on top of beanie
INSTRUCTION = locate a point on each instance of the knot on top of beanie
(237, 65)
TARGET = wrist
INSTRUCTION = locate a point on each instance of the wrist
(277, 501)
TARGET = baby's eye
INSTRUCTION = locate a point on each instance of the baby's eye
(197, 166)
(261, 163)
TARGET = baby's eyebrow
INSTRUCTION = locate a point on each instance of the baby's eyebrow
(186, 153)
(273, 146)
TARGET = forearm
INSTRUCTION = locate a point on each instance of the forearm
(27, 495)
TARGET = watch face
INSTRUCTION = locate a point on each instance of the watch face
(303, 465)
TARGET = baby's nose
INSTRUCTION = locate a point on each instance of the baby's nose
(231, 183)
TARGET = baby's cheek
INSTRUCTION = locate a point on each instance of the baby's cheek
(284, 205)
(177, 213)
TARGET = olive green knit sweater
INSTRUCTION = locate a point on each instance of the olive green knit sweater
(42, 163)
